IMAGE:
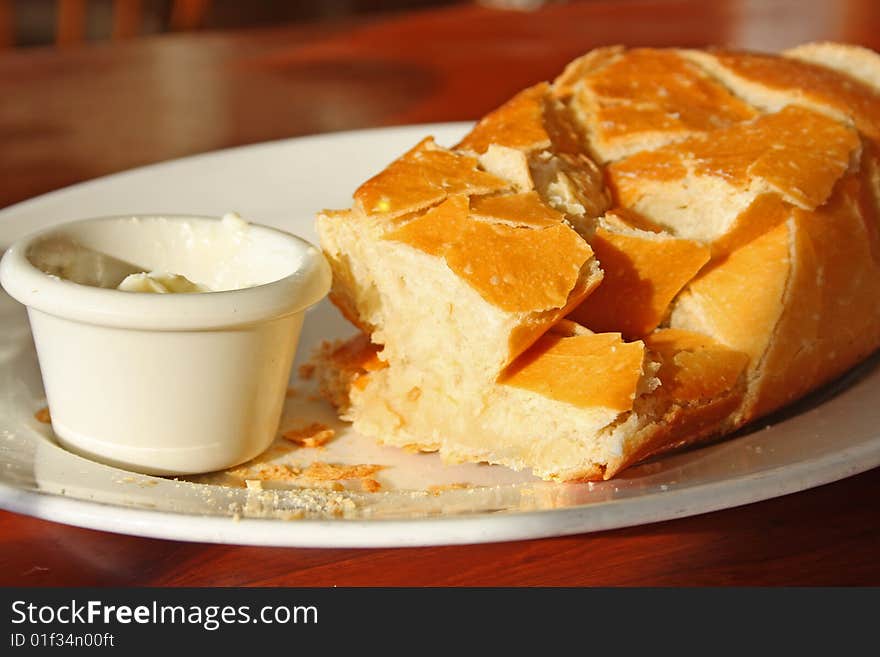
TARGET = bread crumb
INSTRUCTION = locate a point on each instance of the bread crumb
(291, 393)
(314, 435)
(416, 448)
(306, 371)
(275, 450)
(320, 471)
(43, 416)
(371, 485)
(253, 484)
(436, 490)
(266, 472)
(272, 472)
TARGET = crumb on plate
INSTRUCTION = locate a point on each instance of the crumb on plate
(265, 472)
(436, 490)
(306, 371)
(371, 485)
(314, 435)
(320, 471)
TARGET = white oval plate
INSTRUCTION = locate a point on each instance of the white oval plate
(831, 435)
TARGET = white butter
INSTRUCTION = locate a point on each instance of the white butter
(158, 282)
(233, 221)
(210, 253)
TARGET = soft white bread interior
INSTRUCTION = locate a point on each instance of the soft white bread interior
(708, 219)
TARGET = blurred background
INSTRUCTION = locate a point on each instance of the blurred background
(92, 87)
(28, 23)
(68, 22)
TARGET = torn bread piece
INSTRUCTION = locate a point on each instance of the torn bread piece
(423, 177)
(601, 401)
(644, 271)
(533, 142)
(403, 406)
(459, 290)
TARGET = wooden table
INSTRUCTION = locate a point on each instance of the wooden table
(71, 115)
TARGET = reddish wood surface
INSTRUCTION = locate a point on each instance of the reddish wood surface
(83, 112)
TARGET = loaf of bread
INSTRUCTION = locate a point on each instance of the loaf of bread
(659, 247)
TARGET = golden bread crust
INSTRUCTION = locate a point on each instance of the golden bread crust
(525, 210)
(853, 61)
(522, 337)
(716, 300)
(516, 269)
(796, 152)
(725, 249)
(651, 96)
(764, 213)
(424, 176)
(838, 290)
(643, 273)
(598, 370)
(701, 387)
(694, 367)
(533, 120)
(772, 82)
(577, 70)
(518, 124)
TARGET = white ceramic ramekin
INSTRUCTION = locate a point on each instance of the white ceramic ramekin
(166, 383)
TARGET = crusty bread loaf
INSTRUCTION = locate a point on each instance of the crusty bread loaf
(707, 221)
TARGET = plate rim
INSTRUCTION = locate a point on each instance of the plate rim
(470, 528)
(515, 525)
